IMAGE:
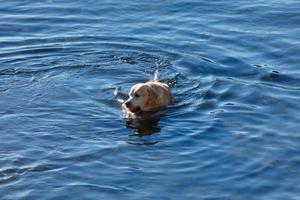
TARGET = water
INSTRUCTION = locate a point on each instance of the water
(231, 133)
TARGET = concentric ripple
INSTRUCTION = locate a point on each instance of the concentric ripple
(230, 133)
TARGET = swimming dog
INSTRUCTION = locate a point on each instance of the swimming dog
(148, 96)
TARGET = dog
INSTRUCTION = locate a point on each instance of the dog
(149, 96)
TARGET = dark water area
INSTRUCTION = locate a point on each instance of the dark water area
(232, 132)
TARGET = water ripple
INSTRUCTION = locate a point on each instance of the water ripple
(232, 125)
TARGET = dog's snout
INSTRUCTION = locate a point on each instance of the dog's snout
(127, 104)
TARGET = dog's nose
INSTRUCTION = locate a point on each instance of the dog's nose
(127, 104)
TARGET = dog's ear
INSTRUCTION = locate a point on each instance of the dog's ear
(153, 97)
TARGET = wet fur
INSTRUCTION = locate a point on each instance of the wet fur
(148, 96)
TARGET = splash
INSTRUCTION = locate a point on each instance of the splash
(156, 75)
(121, 97)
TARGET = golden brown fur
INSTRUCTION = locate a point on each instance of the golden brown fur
(148, 96)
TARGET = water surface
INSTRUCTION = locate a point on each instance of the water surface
(231, 133)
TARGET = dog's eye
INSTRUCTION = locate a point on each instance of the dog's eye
(136, 95)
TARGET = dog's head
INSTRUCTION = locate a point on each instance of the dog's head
(148, 96)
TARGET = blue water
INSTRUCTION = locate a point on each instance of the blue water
(232, 132)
